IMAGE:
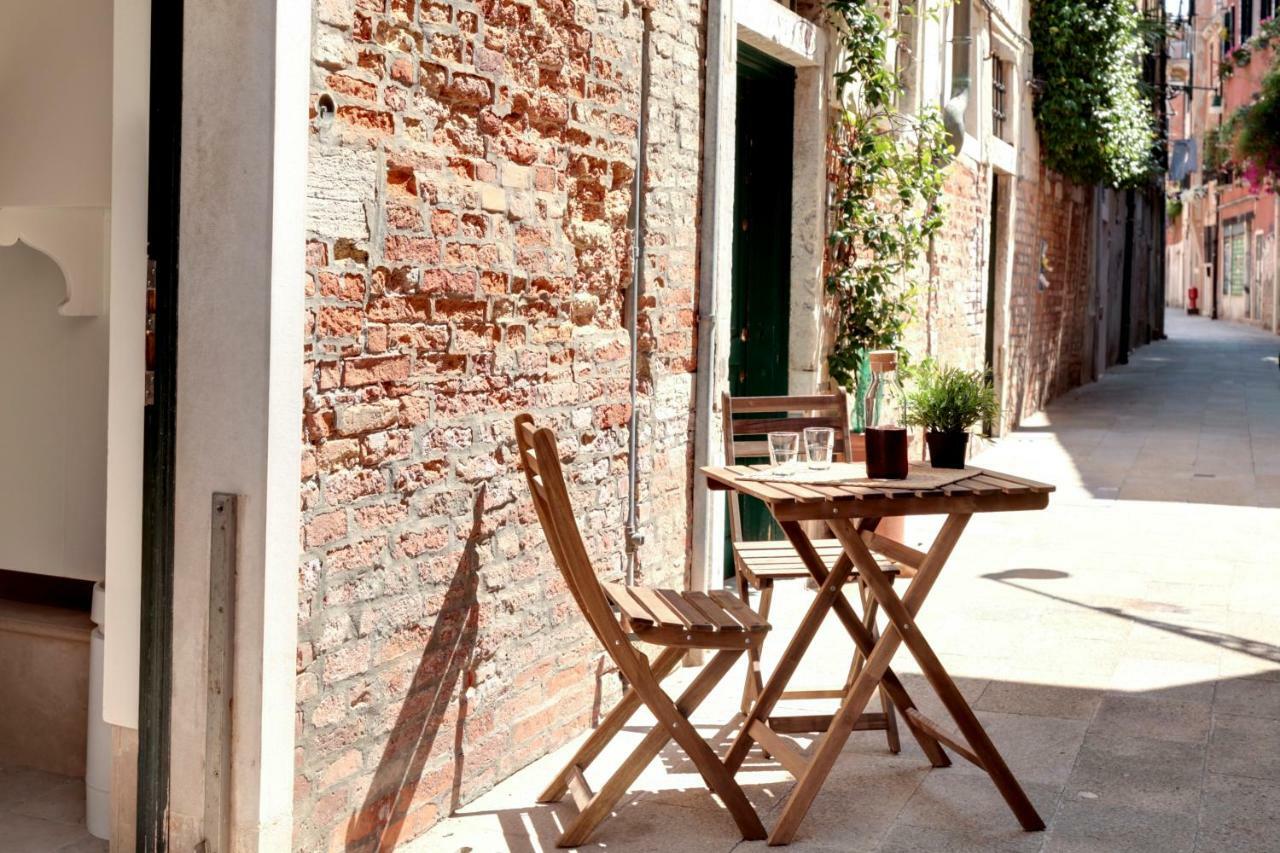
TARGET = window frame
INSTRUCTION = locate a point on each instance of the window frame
(1000, 107)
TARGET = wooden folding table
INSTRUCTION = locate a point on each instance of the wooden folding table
(853, 513)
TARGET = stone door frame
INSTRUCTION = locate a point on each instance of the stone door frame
(798, 42)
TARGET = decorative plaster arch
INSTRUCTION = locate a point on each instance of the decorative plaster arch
(74, 238)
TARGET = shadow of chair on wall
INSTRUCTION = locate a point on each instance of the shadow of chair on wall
(388, 808)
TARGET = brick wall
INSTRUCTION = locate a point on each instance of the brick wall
(1047, 323)
(1046, 327)
(468, 260)
(951, 307)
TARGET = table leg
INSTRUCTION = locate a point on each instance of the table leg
(901, 615)
(828, 748)
(862, 637)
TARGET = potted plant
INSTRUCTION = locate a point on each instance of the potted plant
(947, 402)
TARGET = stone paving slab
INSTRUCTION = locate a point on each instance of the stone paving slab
(1123, 648)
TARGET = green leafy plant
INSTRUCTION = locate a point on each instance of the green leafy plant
(1173, 208)
(1217, 153)
(1094, 111)
(1253, 132)
(887, 171)
(948, 399)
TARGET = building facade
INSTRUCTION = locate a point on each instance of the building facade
(375, 231)
(1222, 243)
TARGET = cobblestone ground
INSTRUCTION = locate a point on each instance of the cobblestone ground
(1122, 647)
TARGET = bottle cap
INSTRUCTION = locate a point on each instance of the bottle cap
(883, 360)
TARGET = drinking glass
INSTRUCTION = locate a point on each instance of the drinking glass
(784, 449)
(818, 443)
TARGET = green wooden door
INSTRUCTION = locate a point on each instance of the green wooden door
(761, 244)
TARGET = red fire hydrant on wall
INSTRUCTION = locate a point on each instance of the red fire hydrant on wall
(1193, 294)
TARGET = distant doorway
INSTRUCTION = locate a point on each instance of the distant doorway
(761, 294)
(995, 280)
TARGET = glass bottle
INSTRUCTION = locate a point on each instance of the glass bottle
(884, 410)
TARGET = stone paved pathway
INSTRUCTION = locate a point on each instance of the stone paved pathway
(1122, 647)
(43, 813)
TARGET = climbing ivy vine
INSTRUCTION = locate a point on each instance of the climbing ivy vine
(886, 172)
(1092, 107)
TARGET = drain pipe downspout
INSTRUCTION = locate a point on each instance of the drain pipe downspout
(634, 538)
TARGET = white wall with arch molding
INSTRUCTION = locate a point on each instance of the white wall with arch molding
(53, 436)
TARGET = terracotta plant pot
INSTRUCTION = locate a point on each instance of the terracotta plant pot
(947, 449)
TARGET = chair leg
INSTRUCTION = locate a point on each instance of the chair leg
(609, 726)
(754, 682)
(579, 829)
(713, 770)
(890, 716)
(870, 607)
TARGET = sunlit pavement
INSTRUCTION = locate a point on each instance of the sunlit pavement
(1122, 647)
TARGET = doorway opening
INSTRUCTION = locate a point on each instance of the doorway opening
(761, 289)
(997, 259)
(163, 180)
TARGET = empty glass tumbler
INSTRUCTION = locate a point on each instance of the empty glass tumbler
(784, 451)
(818, 445)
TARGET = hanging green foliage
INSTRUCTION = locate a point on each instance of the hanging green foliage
(1253, 133)
(1216, 156)
(887, 171)
(1093, 109)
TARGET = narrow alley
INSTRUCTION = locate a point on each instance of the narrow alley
(1119, 648)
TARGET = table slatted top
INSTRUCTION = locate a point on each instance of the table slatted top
(985, 491)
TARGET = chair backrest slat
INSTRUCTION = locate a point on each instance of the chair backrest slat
(540, 460)
(746, 437)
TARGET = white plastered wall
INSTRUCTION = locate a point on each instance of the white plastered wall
(73, 170)
(55, 185)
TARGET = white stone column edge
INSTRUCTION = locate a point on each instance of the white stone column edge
(714, 288)
(273, 828)
(126, 308)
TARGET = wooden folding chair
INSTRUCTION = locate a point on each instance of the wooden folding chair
(673, 620)
(759, 563)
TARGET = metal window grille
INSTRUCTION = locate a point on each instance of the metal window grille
(1266, 8)
(1235, 258)
(998, 94)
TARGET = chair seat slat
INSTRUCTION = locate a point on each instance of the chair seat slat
(690, 614)
(735, 608)
(713, 611)
(663, 613)
(630, 607)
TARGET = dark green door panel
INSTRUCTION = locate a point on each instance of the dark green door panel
(761, 243)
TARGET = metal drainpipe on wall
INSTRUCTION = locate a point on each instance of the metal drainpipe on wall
(634, 538)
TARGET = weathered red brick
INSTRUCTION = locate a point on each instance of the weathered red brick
(325, 528)
(419, 250)
(371, 369)
(367, 120)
